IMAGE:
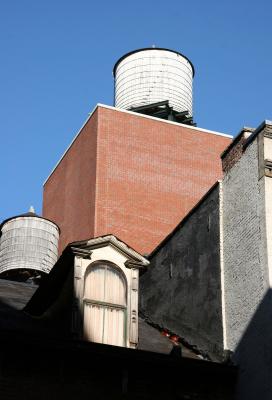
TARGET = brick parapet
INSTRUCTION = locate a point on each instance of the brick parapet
(234, 151)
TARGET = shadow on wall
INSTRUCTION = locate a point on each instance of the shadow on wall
(254, 355)
(181, 289)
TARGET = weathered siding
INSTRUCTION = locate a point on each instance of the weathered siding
(181, 290)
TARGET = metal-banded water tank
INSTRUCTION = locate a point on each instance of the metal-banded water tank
(28, 242)
(152, 75)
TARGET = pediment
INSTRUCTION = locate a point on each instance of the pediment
(84, 249)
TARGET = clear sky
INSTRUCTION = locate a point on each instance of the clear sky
(56, 65)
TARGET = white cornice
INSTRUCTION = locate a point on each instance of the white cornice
(112, 240)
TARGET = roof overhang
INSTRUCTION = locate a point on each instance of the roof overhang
(135, 259)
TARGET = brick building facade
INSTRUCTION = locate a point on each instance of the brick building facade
(131, 175)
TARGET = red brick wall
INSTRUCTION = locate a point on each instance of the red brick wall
(69, 193)
(148, 175)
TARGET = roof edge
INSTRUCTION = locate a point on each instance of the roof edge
(166, 121)
(73, 140)
(245, 129)
(260, 128)
(135, 114)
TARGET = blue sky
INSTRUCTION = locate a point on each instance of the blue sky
(56, 65)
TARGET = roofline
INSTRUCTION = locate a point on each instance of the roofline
(101, 241)
(256, 132)
(147, 49)
(245, 129)
(140, 116)
(73, 140)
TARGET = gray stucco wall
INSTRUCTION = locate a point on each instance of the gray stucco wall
(247, 198)
(245, 265)
(181, 290)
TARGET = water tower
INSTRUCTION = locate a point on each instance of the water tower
(156, 82)
(28, 246)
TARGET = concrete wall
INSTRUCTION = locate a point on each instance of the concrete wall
(132, 176)
(181, 290)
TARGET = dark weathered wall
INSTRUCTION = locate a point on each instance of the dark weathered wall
(181, 290)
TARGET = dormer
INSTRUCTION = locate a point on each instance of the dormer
(106, 280)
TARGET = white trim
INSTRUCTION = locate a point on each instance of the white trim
(165, 121)
(138, 115)
(222, 271)
(111, 239)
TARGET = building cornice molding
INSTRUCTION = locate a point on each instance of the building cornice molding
(134, 264)
(136, 260)
(83, 253)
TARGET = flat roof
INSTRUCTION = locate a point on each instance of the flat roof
(140, 116)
